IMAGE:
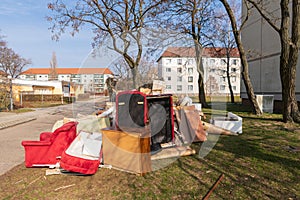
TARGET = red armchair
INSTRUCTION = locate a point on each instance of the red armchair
(50, 146)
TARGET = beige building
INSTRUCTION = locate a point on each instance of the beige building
(21, 87)
(92, 79)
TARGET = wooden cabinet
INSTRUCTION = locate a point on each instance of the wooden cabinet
(128, 151)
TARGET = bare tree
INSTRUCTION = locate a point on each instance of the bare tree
(192, 20)
(225, 37)
(2, 41)
(289, 32)
(117, 21)
(12, 64)
(244, 62)
(53, 66)
(229, 45)
(146, 73)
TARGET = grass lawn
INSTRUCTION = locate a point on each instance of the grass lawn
(258, 164)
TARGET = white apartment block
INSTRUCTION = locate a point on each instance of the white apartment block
(177, 67)
(92, 79)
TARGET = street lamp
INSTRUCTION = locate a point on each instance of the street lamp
(10, 92)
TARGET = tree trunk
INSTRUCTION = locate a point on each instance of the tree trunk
(245, 67)
(134, 77)
(228, 79)
(202, 96)
(290, 111)
(288, 61)
(11, 96)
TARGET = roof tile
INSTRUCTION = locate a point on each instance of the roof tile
(190, 52)
(69, 71)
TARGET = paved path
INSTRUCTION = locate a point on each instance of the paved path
(14, 128)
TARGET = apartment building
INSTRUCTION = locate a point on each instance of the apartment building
(263, 44)
(92, 79)
(177, 67)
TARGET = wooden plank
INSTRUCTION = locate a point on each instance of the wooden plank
(173, 152)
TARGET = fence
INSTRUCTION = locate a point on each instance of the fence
(45, 98)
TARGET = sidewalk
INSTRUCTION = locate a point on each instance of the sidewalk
(8, 119)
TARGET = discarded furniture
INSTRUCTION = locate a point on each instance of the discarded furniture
(189, 124)
(51, 145)
(88, 123)
(265, 103)
(127, 150)
(83, 155)
(135, 109)
(230, 122)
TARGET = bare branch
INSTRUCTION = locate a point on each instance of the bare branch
(261, 12)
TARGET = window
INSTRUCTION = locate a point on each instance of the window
(223, 71)
(190, 87)
(212, 70)
(179, 87)
(190, 79)
(190, 70)
(233, 69)
(234, 88)
(233, 78)
(179, 70)
(190, 61)
(179, 61)
(168, 69)
(222, 78)
(169, 61)
(168, 87)
(211, 62)
(179, 78)
(223, 62)
(234, 61)
(222, 87)
(169, 78)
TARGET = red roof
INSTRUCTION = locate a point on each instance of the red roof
(190, 52)
(68, 71)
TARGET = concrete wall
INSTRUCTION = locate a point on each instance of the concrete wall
(263, 46)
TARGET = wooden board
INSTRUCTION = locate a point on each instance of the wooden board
(174, 152)
(129, 151)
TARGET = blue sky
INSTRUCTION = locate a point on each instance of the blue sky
(24, 25)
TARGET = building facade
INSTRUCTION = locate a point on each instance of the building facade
(262, 43)
(92, 79)
(177, 67)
